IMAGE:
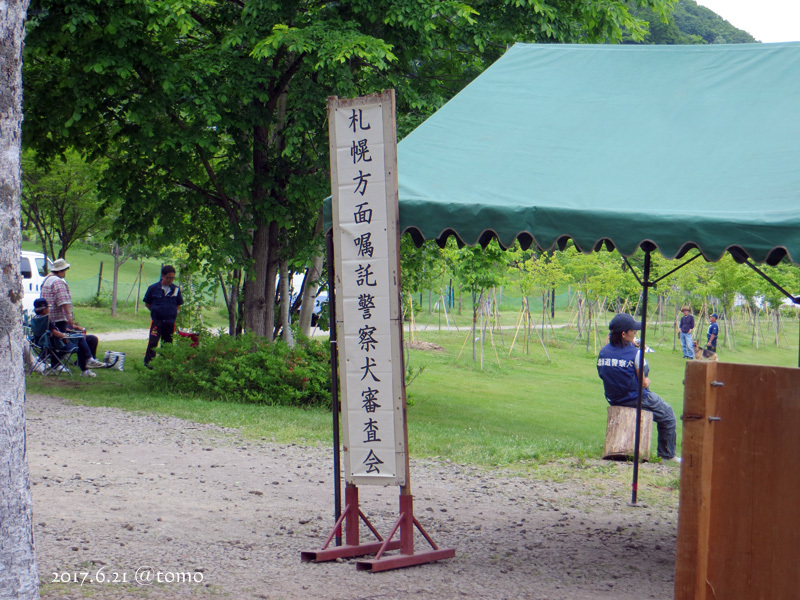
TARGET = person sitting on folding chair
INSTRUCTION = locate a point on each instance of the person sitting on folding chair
(60, 346)
(56, 291)
(34, 358)
(48, 360)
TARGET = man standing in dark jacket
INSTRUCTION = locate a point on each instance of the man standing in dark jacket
(163, 299)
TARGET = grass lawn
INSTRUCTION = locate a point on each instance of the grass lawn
(98, 319)
(83, 277)
(531, 409)
(84, 273)
(540, 411)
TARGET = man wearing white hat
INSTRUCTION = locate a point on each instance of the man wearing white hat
(59, 300)
(56, 291)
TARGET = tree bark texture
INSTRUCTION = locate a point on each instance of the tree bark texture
(18, 571)
(255, 297)
(272, 281)
(311, 286)
(310, 295)
(621, 433)
(286, 301)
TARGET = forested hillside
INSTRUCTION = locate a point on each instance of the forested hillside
(690, 24)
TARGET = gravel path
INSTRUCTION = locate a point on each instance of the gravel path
(221, 517)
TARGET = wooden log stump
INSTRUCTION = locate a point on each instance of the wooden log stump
(621, 433)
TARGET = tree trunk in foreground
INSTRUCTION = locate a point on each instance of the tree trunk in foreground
(18, 572)
(311, 286)
(310, 295)
(286, 301)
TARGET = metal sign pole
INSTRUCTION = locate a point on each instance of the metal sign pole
(642, 345)
(337, 468)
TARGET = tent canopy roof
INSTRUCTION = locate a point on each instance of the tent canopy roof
(668, 147)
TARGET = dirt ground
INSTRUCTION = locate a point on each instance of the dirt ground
(141, 506)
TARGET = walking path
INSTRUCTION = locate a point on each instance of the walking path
(124, 498)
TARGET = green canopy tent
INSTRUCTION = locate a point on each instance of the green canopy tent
(680, 146)
(671, 148)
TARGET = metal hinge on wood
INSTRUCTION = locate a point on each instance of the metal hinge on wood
(717, 384)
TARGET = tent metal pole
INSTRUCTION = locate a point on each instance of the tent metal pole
(680, 266)
(642, 345)
(337, 468)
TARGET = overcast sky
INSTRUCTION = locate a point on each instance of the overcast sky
(765, 20)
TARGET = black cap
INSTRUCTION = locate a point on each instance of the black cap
(39, 303)
(623, 322)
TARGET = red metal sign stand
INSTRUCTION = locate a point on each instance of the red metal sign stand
(351, 516)
(340, 137)
(405, 524)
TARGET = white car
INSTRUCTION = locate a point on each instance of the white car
(34, 268)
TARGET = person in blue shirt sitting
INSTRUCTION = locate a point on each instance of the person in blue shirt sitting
(163, 299)
(617, 365)
(62, 343)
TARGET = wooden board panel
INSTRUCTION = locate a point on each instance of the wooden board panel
(754, 535)
(695, 496)
(739, 525)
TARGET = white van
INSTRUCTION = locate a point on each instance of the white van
(33, 268)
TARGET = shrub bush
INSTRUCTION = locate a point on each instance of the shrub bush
(246, 369)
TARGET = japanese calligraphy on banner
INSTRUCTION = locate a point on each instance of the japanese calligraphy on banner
(365, 221)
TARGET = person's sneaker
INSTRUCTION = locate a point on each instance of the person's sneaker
(676, 459)
(88, 373)
(93, 363)
(58, 369)
(39, 368)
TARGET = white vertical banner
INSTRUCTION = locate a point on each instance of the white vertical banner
(363, 148)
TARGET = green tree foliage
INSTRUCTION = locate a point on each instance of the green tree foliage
(689, 24)
(212, 112)
(422, 268)
(786, 275)
(726, 278)
(693, 19)
(60, 201)
(762, 296)
(536, 272)
(602, 278)
(479, 269)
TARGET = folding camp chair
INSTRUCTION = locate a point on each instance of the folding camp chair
(34, 360)
(53, 355)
